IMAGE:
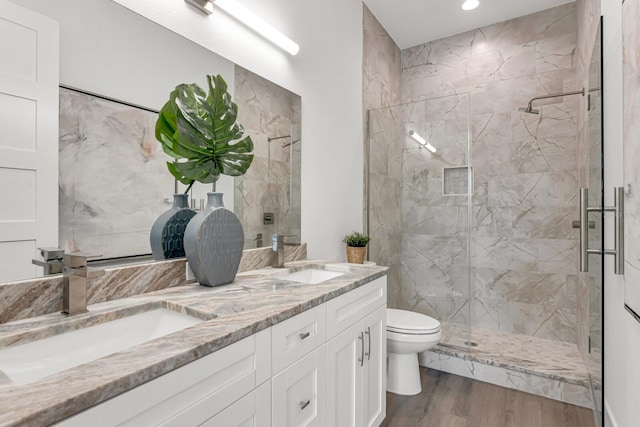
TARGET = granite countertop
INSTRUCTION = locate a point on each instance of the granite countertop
(256, 300)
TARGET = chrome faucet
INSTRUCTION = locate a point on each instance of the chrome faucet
(51, 262)
(74, 283)
(277, 249)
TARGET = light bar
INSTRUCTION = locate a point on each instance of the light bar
(258, 25)
(422, 141)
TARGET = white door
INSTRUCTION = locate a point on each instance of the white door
(344, 379)
(29, 144)
(375, 368)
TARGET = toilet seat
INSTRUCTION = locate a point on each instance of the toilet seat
(409, 323)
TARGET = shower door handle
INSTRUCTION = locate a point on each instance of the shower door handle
(618, 209)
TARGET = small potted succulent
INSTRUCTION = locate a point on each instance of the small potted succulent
(356, 247)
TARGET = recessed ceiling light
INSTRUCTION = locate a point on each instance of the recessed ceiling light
(470, 4)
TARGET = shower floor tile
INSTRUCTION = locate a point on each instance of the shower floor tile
(532, 355)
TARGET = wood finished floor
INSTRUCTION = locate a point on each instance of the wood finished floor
(452, 401)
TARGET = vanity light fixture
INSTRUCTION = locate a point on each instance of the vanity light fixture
(470, 4)
(204, 6)
(249, 19)
(422, 141)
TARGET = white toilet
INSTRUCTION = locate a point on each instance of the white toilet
(408, 334)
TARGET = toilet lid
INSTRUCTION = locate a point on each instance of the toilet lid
(410, 322)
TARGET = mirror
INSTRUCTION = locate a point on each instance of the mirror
(113, 181)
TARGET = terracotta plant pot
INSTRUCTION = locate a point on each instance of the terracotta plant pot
(355, 255)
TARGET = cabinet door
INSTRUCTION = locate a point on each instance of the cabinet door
(299, 392)
(253, 410)
(344, 379)
(375, 367)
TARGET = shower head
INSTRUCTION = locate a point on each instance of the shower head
(529, 110)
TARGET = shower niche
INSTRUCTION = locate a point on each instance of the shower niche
(457, 181)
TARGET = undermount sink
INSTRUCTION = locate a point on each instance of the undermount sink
(311, 276)
(32, 361)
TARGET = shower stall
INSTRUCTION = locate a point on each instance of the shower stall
(473, 213)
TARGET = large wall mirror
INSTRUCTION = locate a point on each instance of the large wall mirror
(116, 71)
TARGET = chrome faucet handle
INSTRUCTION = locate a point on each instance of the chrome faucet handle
(78, 259)
(50, 253)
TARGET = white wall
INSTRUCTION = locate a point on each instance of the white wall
(108, 50)
(327, 73)
(621, 331)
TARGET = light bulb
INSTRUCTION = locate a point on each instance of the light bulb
(470, 4)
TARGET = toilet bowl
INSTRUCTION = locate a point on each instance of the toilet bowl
(408, 334)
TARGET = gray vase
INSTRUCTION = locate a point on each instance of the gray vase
(167, 232)
(213, 243)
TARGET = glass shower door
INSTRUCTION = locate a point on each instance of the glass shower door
(595, 275)
(419, 200)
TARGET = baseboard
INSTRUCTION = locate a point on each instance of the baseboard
(609, 419)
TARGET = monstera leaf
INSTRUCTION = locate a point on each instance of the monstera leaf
(199, 130)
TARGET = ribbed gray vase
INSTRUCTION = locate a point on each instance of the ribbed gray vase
(213, 243)
(167, 232)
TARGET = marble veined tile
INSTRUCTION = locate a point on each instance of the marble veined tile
(576, 394)
(546, 367)
(556, 53)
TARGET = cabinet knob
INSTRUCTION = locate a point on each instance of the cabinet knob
(304, 404)
(305, 335)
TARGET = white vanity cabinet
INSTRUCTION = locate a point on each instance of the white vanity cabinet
(356, 357)
(323, 367)
(193, 394)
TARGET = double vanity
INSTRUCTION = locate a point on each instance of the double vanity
(304, 345)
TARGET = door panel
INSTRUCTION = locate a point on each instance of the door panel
(29, 148)
(374, 380)
(344, 379)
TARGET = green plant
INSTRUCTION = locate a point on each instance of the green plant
(356, 239)
(200, 132)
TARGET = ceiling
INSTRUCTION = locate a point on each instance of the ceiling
(413, 22)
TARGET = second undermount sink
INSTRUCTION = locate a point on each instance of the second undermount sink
(29, 362)
(311, 276)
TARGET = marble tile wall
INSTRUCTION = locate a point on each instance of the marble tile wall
(267, 111)
(35, 297)
(523, 249)
(381, 88)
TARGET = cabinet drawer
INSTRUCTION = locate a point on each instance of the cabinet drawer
(297, 337)
(191, 394)
(253, 410)
(299, 392)
(349, 308)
